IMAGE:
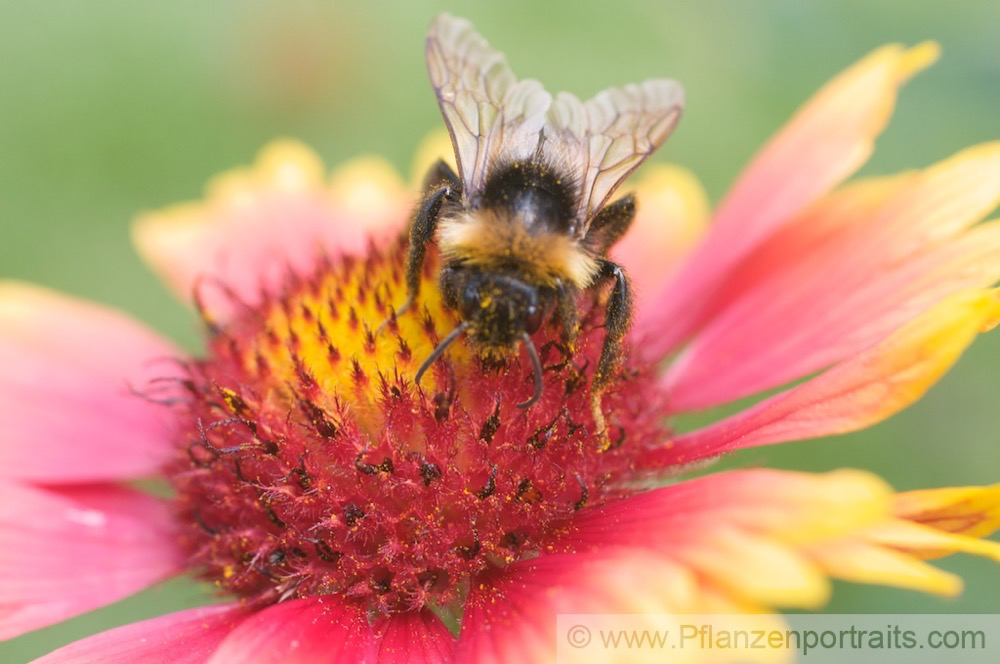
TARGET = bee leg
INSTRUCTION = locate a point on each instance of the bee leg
(617, 320)
(441, 184)
(566, 309)
(421, 232)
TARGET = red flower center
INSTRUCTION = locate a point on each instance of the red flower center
(311, 464)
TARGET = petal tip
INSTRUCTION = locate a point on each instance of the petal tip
(917, 58)
(992, 319)
(366, 183)
(288, 163)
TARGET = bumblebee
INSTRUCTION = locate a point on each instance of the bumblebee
(525, 225)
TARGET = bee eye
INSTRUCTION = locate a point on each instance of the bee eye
(469, 306)
(533, 319)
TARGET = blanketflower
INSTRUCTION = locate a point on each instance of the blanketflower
(354, 517)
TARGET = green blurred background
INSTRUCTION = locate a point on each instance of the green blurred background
(112, 107)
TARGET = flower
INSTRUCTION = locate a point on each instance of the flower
(353, 516)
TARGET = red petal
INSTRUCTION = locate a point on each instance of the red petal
(319, 630)
(845, 274)
(510, 617)
(185, 637)
(66, 551)
(827, 139)
(67, 409)
(673, 518)
(856, 393)
(415, 638)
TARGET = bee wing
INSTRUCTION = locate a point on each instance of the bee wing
(488, 111)
(493, 117)
(612, 134)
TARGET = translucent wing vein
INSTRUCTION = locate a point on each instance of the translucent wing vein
(494, 118)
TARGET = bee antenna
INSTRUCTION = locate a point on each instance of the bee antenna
(439, 350)
(536, 365)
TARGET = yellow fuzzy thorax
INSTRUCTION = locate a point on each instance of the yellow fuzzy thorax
(491, 240)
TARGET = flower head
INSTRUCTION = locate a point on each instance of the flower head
(352, 515)
(303, 425)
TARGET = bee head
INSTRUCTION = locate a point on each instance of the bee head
(498, 311)
(498, 308)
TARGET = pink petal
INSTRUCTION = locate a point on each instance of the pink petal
(746, 534)
(854, 394)
(64, 551)
(676, 518)
(68, 412)
(185, 637)
(259, 223)
(731, 543)
(318, 630)
(510, 617)
(827, 139)
(844, 275)
(415, 638)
